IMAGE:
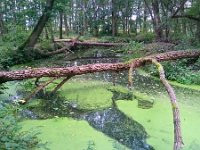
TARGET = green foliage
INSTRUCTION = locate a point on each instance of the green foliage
(195, 9)
(112, 39)
(8, 47)
(132, 50)
(145, 37)
(2, 87)
(12, 136)
(181, 71)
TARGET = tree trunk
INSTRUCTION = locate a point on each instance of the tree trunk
(32, 39)
(156, 20)
(91, 68)
(66, 25)
(46, 33)
(2, 27)
(114, 21)
(145, 19)
(198, 31)
(61, 24)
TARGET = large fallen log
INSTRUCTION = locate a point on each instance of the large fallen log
(91, 68)
(88, 44)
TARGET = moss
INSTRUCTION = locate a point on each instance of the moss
(35, 103)
(87, 95)
(144, 101)
(119, 89)
(158, 122)
(69, 134)
(121, 93)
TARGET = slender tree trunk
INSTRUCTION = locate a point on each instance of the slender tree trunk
(124, 24)
(61, 24)
(114, 21)
(50, 28)
(66, 25)
(84, 7)
(157, 21)
(46, 33)
(198, 31)
(32, 39)
(145, 18)
(2, 27)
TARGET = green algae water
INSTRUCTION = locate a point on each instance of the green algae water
(84, 117)
(69, 134)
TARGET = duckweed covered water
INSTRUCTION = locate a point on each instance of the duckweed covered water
(90, 95)
(156, 121)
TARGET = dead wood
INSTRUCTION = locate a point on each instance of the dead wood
(91, 68)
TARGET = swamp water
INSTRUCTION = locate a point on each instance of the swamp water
(89, 118)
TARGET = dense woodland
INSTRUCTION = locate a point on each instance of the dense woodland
(163, 20)
(143, 32)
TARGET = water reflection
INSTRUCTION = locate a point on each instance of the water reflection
(120, 127)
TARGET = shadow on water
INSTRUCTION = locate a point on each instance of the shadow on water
(120, 127)
(110, 121)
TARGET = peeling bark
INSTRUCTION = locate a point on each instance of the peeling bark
(91, 68)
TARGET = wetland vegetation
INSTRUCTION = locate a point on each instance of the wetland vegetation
(82, 75)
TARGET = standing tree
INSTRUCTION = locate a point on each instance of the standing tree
(32, 39)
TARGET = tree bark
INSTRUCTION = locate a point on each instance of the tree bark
(156, 20)
(2, 27)
(178, 141)
(88, 44)
(61, 24)
(114, 23)
(91, 68)
(32, 39)
(66, 25)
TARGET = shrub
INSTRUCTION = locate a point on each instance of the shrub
(145, 37)
(12, 136)
(132, 50)
(180, 71)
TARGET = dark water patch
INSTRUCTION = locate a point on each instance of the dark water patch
(110, 121)
(50, 106)
(120, 127)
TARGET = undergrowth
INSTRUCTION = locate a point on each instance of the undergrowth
(184, 71)
(12, 136)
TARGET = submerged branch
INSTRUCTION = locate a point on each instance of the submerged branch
(38, 89)
(60, 84)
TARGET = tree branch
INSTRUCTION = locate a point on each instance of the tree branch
(178, 141)
(187, 16)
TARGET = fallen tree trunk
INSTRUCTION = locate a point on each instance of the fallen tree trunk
(59, 51)
(89, 44)
(91, 68)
